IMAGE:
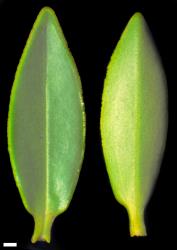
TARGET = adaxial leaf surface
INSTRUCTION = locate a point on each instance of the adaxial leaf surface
(46, 124)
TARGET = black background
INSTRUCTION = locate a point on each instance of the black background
(94, 220)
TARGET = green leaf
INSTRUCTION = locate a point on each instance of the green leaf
(46, 124)
(134, 120)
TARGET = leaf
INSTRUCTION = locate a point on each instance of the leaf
(134, 120)
(46, 124)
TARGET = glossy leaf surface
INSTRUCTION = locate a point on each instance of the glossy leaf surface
(46, 124)
(134, 120)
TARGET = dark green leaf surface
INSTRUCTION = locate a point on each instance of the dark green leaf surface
(134, 120)
(46, 124)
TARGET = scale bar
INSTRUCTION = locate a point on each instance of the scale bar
(10, 244)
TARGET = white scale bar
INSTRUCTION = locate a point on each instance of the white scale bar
(8, 244)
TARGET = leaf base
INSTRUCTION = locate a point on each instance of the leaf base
(42, 229)
(137, 224)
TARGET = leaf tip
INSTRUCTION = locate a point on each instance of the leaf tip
(46, 10)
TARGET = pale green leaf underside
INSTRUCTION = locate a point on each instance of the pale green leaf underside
(134, 116)
(46, 125)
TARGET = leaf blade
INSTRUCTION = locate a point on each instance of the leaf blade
(47, 119)
(134, 119)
